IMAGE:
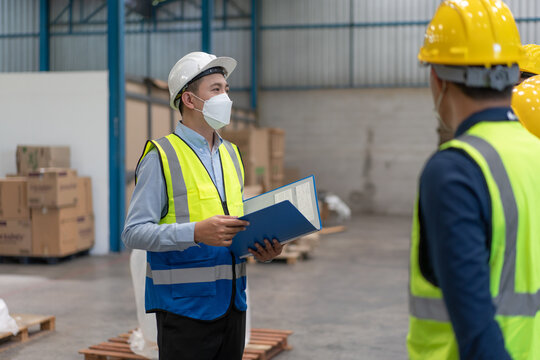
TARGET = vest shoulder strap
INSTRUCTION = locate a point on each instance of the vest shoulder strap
(236, 158)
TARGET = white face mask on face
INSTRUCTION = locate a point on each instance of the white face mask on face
(216, 110)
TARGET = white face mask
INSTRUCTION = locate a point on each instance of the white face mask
(217, 110)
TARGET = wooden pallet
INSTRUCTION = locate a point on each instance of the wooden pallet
(290, 257)
(332, 230)
(264, 344)
(298, 249)
(27, 324)
(51, 260)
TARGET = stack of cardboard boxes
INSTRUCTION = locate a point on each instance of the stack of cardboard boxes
(277, 157)
(263, 153)
(46, 209)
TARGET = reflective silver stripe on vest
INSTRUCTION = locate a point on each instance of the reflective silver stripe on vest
(236, 162)
(508, 302)
(194, 275)
(181, 208)
(427, 308)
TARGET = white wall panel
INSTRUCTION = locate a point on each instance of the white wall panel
(66, 109)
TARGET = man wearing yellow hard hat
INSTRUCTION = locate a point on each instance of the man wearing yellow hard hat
(474, 281)
(530, 64)
(526, 104)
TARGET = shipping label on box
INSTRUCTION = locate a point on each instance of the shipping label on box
(15, 237)
(13, 198)
(54, 231)
(84, 196)
(85, 232)
(52, 188)
(32, 158)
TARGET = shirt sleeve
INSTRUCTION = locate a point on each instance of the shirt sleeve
(148, 202)
(453, 202)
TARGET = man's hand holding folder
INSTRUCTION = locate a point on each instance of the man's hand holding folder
(219, 230)
(267, 253)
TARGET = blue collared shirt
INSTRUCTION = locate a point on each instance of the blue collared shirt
(149, 200)
(455, 223)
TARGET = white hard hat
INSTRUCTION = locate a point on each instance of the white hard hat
(192, 65)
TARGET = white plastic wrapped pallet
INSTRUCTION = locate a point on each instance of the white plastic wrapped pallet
(7, 323)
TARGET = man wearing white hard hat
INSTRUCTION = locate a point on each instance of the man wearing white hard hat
(184, 212)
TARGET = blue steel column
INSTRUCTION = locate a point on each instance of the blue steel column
(44, 36)
(255, 33)
(115, 41)
(207, 16)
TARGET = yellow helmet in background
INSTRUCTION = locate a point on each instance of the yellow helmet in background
(472, 33)
(531, 62)
(526, 104)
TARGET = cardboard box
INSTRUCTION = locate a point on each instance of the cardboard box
(32, 158)
(84, 196)
(252, 191)
(85, 232)
(291, 175)
(52, 187)
(277, 172)
(276, 142)
(15, 237)
(254, 148)
(13, 198)
(54, 231)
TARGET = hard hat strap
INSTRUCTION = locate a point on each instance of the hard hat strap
(497, 77)
(214, 70)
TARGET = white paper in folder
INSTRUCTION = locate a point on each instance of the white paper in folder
(302, 194)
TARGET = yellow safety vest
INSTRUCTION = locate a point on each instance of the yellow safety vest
(197, 282)
(509, 157)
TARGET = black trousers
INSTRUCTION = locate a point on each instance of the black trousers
(181, 338)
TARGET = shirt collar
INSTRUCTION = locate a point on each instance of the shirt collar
(194, 138)
(492, 114)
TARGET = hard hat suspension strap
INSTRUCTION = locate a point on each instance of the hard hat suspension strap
(498, 77)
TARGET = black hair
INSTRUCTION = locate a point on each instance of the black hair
(480, 93)
(525, 75)
(193, 86)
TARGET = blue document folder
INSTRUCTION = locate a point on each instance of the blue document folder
(282, 220)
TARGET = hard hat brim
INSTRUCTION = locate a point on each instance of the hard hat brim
(227, 63)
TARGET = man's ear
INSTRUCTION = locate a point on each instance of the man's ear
(187, 99)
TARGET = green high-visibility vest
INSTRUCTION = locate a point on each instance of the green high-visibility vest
(197, 282)
(509, 157)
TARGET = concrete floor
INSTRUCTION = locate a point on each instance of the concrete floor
(348, 302)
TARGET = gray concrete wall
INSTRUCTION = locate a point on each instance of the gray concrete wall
(367, 146)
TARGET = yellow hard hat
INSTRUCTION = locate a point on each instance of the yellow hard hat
(526, 104)
(531, 61)
(472, 33)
